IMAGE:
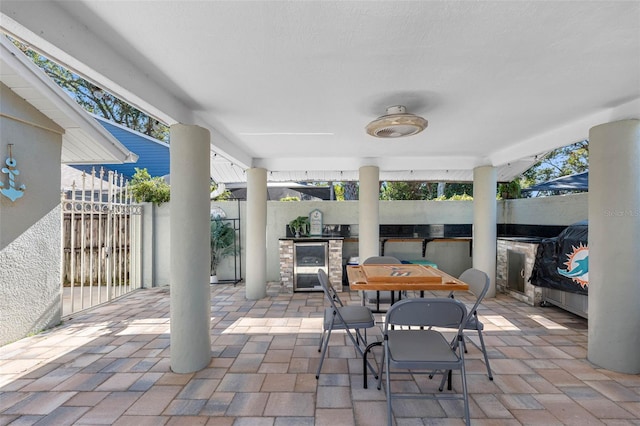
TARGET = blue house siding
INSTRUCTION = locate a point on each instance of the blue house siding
(152, 154)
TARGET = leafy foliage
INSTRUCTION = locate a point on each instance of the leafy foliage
(425, 191)
(222, 242)
(564, 161)
(300, 225)
(95, 100)
(509, 190)
(455, 197)
(402, 190)
(338, 190)
(290, 199)
(149, 189)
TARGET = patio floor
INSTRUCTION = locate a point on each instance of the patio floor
(110, 365)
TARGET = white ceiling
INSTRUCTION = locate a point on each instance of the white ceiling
(289, 86)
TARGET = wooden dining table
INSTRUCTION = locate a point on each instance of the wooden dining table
(399, 278)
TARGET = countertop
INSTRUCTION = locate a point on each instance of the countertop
(314, 238)
(529, 240)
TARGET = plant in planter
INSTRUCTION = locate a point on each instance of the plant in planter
(510, 190)
(222, 244)
(300, 226)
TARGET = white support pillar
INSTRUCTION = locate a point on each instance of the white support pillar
(256, 247)
(148, 245)
(484, 223)
(614, 239)
(190, 249)
(369, 212)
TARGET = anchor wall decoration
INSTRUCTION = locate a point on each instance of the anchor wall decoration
(11, 192)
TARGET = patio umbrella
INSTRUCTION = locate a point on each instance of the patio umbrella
(576, 182)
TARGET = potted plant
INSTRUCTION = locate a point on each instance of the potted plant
(510, 190)
(222, 244)
(299, 226)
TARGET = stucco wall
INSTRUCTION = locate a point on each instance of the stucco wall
(29, 227)
(453, 257)
(155, 245)
(559, 210)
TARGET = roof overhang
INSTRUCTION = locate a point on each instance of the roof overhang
(84, 141)
(289, 86)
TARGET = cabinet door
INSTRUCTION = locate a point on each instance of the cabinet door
(515, 270)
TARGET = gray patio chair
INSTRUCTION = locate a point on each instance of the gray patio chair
(380, 296)
(478, 285)
(340, 317)
(414, 347)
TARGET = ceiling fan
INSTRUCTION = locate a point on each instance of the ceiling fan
(396, 123)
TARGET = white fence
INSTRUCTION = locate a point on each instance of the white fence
(101, 241)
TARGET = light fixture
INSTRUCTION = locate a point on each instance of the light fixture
(396, 123)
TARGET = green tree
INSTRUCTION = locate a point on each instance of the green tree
(414, 190)
(409, 190)
(97, 101)
(149, 189)
(564, 161)
(458, 191)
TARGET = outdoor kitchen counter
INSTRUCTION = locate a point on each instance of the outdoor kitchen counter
(312, 239)
(300, 259)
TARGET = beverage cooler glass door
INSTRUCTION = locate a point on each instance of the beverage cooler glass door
(307, 259)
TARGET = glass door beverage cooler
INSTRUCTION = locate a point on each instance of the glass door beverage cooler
(308, 257)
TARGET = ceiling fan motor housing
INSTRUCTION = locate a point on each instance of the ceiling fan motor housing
(396, 123)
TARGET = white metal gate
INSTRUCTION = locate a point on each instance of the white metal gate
(101, 241)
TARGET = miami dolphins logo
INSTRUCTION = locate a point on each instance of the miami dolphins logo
(577, 266)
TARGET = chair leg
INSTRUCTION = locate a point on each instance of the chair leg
(361, 336)
(465, 394)
(445, 376)
(382, 364)
(484, 351)
(324, 352)
(388, 389)
(321, 340)
(368, 349)
(455, 343)
(359, 349)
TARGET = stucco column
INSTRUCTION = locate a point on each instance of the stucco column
(484, 223)
(148, 245)
(190, 249)
(368, 212)
(614, 239)
(256, 248)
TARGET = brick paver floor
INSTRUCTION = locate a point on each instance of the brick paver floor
(111, 365)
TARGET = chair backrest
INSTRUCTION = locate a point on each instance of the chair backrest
(381, 260)
(329, 290)
(478, 285)
(435, 312)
